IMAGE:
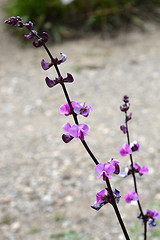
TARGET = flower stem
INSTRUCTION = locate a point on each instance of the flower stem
(88, 149)
(135, 182)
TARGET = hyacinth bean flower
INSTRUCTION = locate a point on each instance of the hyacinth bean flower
(103, 197)
(51, 83)
(75, 131)
(78, 108)
(106, 169)
(136, 169)
(65, 108)
(134, 146)
(46, 65)
(125, 150)
(131, 196)
(150, 217)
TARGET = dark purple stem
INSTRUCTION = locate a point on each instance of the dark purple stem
(135, 182)
(85, 144)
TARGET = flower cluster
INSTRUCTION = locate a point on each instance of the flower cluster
(150, 217)
(128, 149)
(76, 131)
(136, 169)
(103, 197)
(17, 21)
(106, 169)
(78, 108)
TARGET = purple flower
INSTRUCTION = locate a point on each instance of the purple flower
(150, 217)
(125, 150)
(103, 197)
(41, 41)
(116, 164)
(76, 131)
(80, 108)
(136, 169)
(131, 196)
(63, 57)
(46, 65)
(140, 170)
(105, 170)
(123, 128)
(65, 108)
(134, 146)
(69, 78)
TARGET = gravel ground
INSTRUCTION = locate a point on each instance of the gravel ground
(47, 186)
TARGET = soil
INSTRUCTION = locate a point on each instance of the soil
(47, 186)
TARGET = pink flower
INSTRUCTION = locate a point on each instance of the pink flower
(80, 108)
(125, 150)
(105, 170)
(131, 196)
(76, 131)
(103, 197)
(140, 170)
(65, 108)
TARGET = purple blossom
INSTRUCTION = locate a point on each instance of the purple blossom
(79, 108)
(46, 65)
(134, 146)
(65, 108)
(131, 196)
(41, 41)
(125, 150)
(51, 83)
(140, 170)
(15, 20)
(105, 170)
(116, 164)
(136, 169)
(69, 78)
(63, 57)
(103, 197)
(150, 217)
(76, 131)
(123, 128)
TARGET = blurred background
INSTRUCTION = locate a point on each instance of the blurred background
(47, 186)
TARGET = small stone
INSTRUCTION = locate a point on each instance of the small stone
(15, 226)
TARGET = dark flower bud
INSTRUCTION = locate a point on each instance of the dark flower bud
(45, 37)
(67, 138)
(125, 99)
(129, 117)
(11, 21)
(20, 24)
(69, 78)
(124, 107)
(123, 128)
(29, 25)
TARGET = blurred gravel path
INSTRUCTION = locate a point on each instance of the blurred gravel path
(47, 186)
